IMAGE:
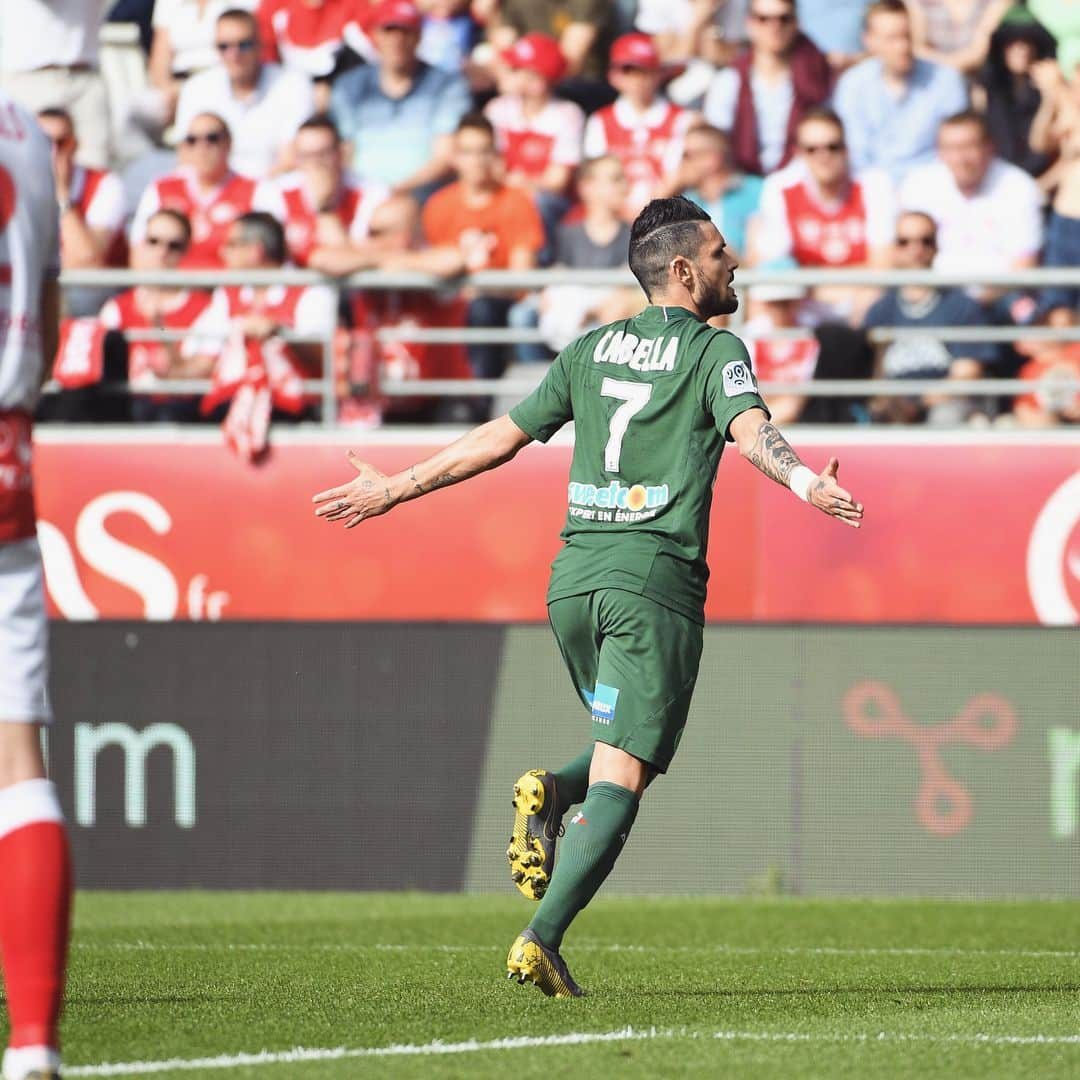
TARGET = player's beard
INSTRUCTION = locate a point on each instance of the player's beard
(714, 302)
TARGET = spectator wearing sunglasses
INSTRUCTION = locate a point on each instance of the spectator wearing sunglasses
(91, 212)
(820, 214)
(641, 127)
(262, 104)
(925, 357)
(204, 189)
(156, 307)
(893, 102)
(91, 201)
(763, 95)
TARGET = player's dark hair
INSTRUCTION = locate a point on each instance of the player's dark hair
(967, 116)
(476, 121)
(178, 216)
(264, 229)
(321, 122)
(665, 229)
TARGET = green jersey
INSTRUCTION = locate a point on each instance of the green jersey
(652, 399)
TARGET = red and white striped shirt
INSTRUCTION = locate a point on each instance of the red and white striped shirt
(211, 213)
(649, 143)
(529, 144)
(289, 202)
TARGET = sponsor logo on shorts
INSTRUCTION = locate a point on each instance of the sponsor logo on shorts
(603, 703)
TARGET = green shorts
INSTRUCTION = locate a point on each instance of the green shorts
(634, 664)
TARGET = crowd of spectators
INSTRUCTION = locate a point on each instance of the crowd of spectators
(451, 136)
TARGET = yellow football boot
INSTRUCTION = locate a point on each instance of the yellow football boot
(530, 960)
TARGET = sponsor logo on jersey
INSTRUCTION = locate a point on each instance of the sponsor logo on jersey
(638, 354)
(738, 379)
(614, 496)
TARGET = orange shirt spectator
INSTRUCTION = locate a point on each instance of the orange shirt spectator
(488, 229)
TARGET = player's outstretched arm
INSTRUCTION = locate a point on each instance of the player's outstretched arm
(763, 445)
(371, 493)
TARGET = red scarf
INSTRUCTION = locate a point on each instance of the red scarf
(811, 81)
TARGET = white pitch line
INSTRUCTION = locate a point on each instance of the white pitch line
(735, 950)
(581, 1038)
(284, 1057)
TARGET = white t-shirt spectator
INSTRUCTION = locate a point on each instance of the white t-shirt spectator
(529, 144)
(772, 104)
(821, 234)
(262, 124)
(191, 29)
(50, 33)
(999, 224)
(675, 16)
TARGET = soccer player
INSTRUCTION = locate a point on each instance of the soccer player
(653, 399)
(35, 864)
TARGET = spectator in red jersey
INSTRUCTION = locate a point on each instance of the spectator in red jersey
(91, 213)
(538, 135)
(323, 207)
(167, 237)
(641, 127)
(203, 188)
(91, 201)
(493, 225)
(763, 95)
(317, 37)
(816, 212)
(239, 338)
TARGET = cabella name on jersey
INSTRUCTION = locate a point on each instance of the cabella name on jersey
(638, 354)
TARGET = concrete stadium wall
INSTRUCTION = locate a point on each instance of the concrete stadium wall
(817, 760)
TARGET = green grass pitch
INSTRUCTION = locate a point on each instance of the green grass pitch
(680, 986)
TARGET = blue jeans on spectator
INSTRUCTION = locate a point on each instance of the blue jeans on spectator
(525, 315)
(488, 361)
(1062, 249)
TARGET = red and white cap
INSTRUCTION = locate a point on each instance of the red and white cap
(635, 50)
(537, 52)
(403, 13)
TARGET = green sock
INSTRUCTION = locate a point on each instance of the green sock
(572, 780)
(594, 837)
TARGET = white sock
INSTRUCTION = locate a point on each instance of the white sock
(20, 1062)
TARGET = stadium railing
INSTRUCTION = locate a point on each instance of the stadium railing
(531, 280)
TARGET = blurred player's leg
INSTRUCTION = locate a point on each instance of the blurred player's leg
(35, 886)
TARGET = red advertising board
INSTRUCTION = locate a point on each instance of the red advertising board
(979, 529)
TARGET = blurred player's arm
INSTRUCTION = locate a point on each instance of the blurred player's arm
(50, 325)
(763, 445)
(372, 492)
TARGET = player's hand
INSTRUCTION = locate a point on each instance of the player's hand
(827, 495)
(366, 496)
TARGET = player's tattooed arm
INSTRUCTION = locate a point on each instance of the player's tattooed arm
(772, 454)
(372, 493)
(764, 446)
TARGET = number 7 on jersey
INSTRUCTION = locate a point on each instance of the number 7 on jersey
(634, 396)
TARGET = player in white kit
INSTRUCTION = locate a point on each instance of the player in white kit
(35, 863)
